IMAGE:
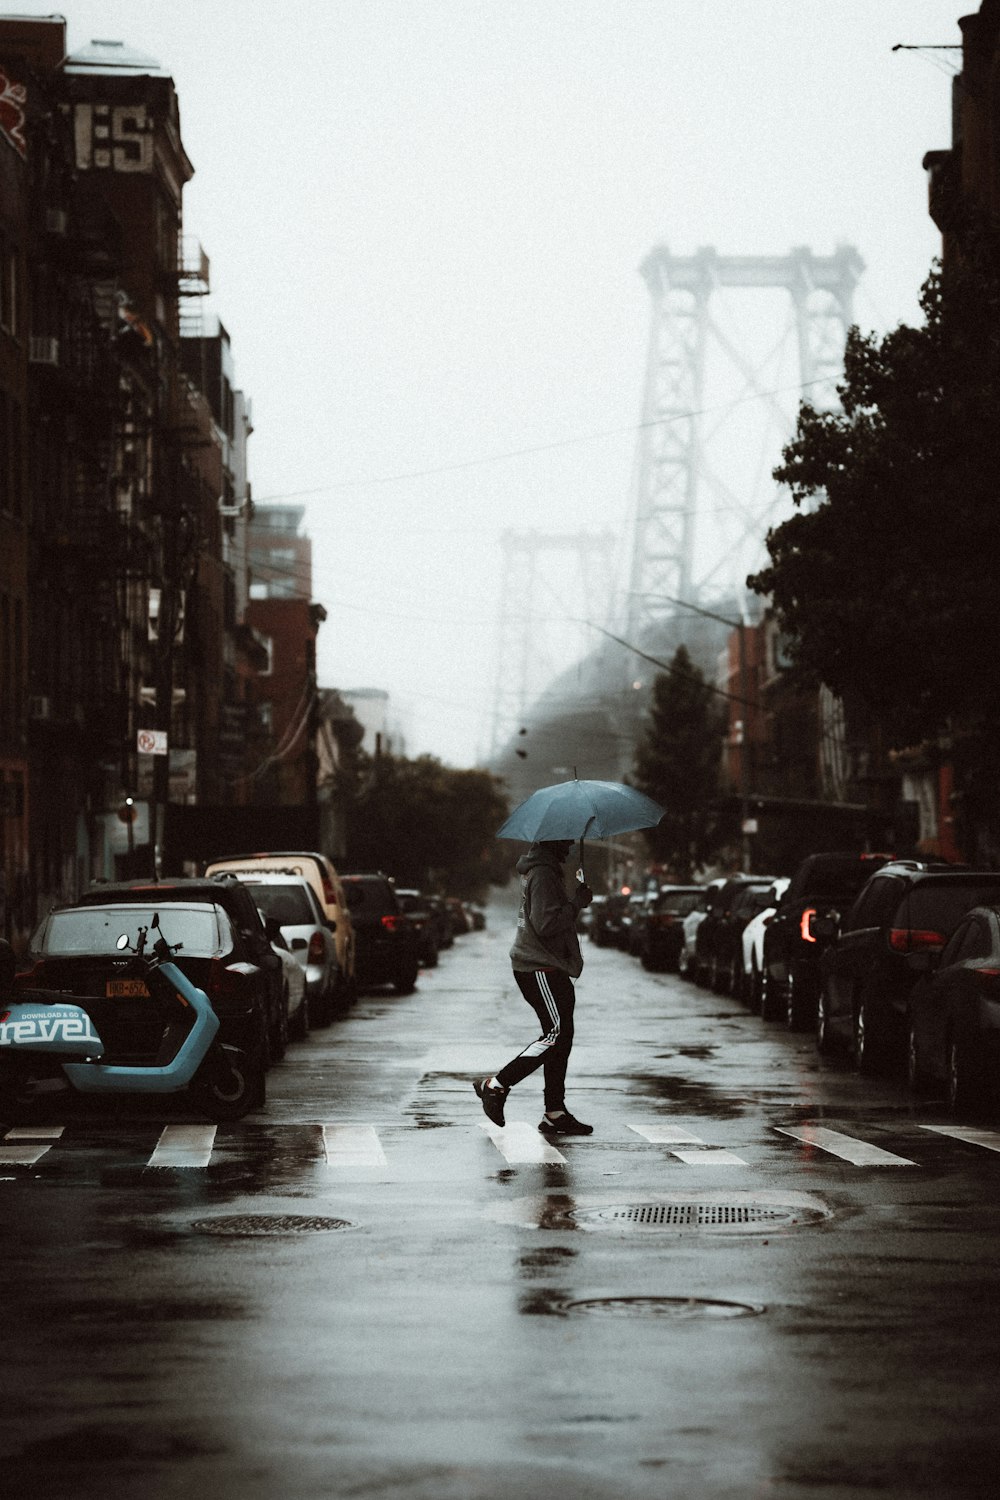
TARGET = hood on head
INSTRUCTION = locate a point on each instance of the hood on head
(538, 854)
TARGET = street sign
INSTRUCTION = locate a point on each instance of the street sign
(151, 742)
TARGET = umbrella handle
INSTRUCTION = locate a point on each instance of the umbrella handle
(583, 872)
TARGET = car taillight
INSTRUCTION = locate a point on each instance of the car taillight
(664, 918)
(392, 923)
(329, 894)
(805, 925)
(315, 951)
(223, 982)
(989, 974)
(4, 1016)
(914, 939)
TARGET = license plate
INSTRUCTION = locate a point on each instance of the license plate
(125, 989)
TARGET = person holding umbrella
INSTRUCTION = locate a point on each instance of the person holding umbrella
(546, 954)
(546, 958)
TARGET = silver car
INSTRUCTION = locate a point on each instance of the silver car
(291, 901)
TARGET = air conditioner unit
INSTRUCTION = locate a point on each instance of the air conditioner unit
(42, 351)
(39, 708)
(55, 220)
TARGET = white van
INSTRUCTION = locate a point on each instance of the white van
(322, 876)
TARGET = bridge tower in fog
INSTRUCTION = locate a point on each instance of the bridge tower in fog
(735, 343)
(549, 582)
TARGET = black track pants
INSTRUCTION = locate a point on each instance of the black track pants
(551, 996)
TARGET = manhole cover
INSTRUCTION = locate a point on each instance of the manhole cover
(679, 1308)
(719, 1218)
(262, 1224)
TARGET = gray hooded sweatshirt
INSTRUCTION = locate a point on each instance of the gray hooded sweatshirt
(546, 924)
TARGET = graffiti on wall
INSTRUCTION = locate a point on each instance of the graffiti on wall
(13, 97)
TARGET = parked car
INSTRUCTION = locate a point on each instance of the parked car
(458, 916)
(663, 926)
(820, 891)
(325, 880)
(386, 942)
(476, 916)
(290, 901)
(439, 915)
(752, 944)
(740, 901)
(294, 976)
(688, 963)
(953, 1021)
(74, 951)
(906, 912)
(721, 895)
(606, 923)
(424, 923)
(254, 945)
(628, 933)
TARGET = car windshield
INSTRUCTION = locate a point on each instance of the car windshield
(370, 897)
(96, 929)
(939, 908)
(680, 902)
(288, 905)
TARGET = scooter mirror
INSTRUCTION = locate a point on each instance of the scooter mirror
(122, 942)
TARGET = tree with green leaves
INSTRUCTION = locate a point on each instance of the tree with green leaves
(427, 825)
(886, 579)
(677, 764)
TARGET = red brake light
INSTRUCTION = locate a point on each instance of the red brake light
(329, 894)
(805, 925)
(4, 1016)
(392, 923)
(314, 954)
(914, 939)
(223, 981)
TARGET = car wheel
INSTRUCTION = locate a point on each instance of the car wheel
(868, 1041)
(825, 1042)
(796, 1004)
(916, 1076)
(964, 1078)
(755, 987)
(230, 1082)
(298, 1026)
(770, 998)
(278, 1040)
(406, 982)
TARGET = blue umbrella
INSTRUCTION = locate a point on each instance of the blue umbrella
(581, 809)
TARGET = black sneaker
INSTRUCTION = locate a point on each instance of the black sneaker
(493, 1100)
(564, 1125)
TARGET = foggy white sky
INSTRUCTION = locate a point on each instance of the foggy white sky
(425, 219)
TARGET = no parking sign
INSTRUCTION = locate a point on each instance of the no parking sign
(151, 742)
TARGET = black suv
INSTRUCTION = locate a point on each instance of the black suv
(802, 928)
(904, 915)
(387, 950)
(266, 982)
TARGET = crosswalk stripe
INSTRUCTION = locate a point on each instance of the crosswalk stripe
(34, 1133)
(859, 1153)
(22, 1156)
(989, 1139)
(352, 1146)
(712, 1156)
(520, 1143)
(184, 1146)
(666, 1135)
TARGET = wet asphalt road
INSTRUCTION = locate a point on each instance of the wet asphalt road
(693, 1302)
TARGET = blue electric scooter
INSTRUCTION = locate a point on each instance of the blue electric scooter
(49, 1043)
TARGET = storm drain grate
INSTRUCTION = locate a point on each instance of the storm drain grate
(735, 1217)
(683, 1309)
(263, 1224)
